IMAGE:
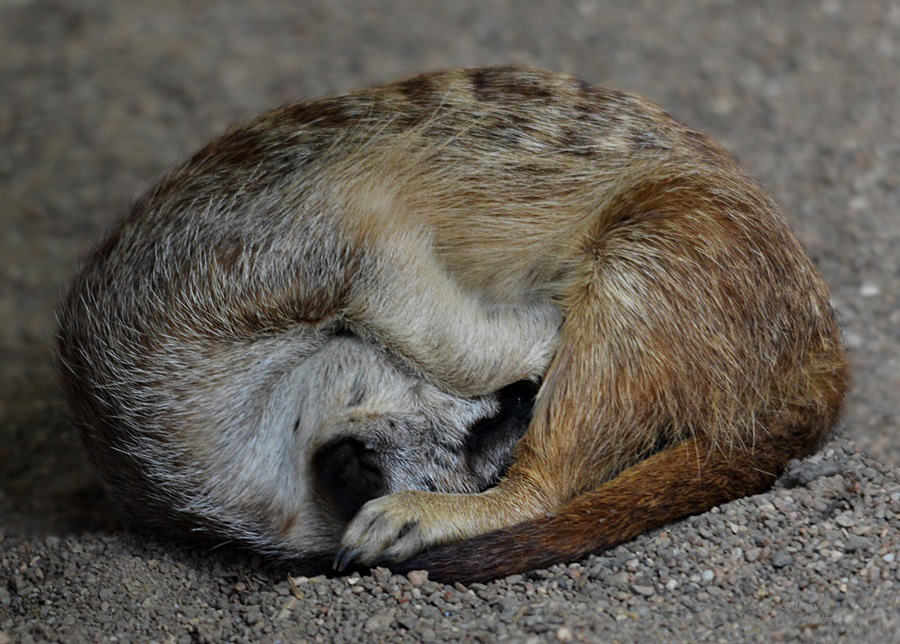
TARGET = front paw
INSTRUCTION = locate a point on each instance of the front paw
(387, 530)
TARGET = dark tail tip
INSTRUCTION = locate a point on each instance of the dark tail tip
(491, 556)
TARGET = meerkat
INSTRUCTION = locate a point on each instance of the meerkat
(480, 227)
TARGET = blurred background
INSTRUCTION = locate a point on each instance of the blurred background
(98, 97)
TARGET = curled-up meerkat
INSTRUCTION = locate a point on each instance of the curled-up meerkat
(480, 227)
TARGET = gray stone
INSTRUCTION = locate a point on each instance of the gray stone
(640, 589)
(782, 558)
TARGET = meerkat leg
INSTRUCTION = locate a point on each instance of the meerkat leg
(560, 455)
(406, 300)
(397, 526)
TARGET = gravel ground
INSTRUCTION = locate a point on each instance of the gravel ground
(99, 97)
(815, 558)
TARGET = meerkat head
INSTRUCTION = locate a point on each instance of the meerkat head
(440, 443)
(363, 425)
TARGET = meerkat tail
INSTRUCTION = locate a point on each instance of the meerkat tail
(680, 481)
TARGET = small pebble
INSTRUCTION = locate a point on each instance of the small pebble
(845, 520)
(869, 290)
(855, 543)
(378, 621)
(646, 591)
(782, 558)
(620, 580)
(417, 577)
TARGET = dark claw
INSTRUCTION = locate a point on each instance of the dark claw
(343, 558)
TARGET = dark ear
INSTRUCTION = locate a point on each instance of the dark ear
(492, 441)
(348, 474)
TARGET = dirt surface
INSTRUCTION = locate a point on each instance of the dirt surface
(99, 97)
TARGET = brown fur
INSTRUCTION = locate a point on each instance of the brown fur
(692, 318)
(454, 219)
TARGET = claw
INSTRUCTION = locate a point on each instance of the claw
(343, 558)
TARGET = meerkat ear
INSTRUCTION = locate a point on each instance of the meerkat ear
(349, 474)
(491, 443)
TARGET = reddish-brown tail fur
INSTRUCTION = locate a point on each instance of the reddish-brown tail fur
(678, 482)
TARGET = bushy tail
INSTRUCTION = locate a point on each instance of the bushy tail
(683, 480)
